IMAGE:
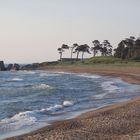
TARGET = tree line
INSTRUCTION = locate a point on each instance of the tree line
(127, 48)
(104, 48)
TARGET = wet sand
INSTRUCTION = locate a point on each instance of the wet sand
(116, 122)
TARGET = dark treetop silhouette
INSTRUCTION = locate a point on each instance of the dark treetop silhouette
(127, 49)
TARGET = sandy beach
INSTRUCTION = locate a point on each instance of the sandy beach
(126, 73)
(115, 122)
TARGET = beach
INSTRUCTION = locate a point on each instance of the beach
(127, 73)
(69, 70)
(119, 121)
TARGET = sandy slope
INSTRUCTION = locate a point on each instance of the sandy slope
(116, 122)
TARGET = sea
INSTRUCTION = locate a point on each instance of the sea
(30, 100)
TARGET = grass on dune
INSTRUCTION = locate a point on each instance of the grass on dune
(110, 60)
(96, 61)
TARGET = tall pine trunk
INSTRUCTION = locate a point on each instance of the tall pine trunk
(82, 56)
(61, 56)
(77, 55)
(71, 53)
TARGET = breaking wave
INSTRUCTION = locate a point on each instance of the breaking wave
(16, 79)
(110, 86)
(41, 86)
(26, 72)
(68, 103)
(18, 121)
(89, 76)
(99, 96)
(49, 74)
(28, 118)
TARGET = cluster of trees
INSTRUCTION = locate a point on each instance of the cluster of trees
(104, 48)
(128, 48)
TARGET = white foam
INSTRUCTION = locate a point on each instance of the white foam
(110, 86)
(48, 74)
(58, 106)
(62, 72)
(27, 72)
(41, 86)
(30, 72)
(99, 96)
(17, 79)
(28, 118)
(18, 121)
(68, 103)
(54, 108)
(89, 76)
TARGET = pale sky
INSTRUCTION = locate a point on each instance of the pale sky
(32, 30)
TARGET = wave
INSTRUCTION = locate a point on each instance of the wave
(62, 72)
(38, 86)
(16, 79)
(90, 76)
(30, 72)
(18, 121)
(58, 106)
(49, 74)
(110, 86)
(28, 118)
(68, 103)
(99, 96)
(27, 72)
(41, 86)
(52, 108)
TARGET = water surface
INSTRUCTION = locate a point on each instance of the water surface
(32, 99)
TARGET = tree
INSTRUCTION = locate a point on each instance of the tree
(82, 48)
(106, 48)
(61, 50)
(136, 48)
(85, 49)
(72, 48)
(96, 47)
(128, 48)
(64, 46)
(119, 51)
(77, 50)
(129, 42)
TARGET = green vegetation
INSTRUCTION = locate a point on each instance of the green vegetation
(111, 60)
(95, 61)
(103, 60)
(104, 48)
(107, 60)
(126, 54)
(127, 49)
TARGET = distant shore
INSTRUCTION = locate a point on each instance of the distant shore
(116, 122)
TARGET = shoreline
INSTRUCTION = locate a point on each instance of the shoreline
(88, 125)
(128, 74)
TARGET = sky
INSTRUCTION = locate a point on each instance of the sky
(32, 30)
